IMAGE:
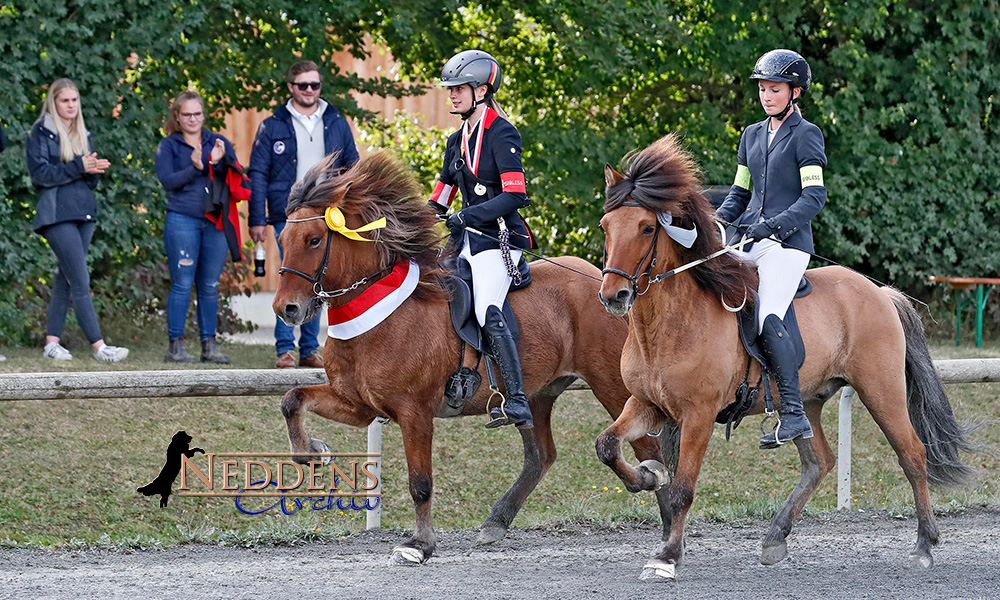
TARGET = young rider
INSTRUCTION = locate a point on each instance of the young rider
(483, 161)
(778, 190)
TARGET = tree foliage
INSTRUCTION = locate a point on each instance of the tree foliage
(904, 92)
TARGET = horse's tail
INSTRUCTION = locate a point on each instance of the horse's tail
(930, 411)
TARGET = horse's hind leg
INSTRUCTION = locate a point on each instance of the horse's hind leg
(539, 454)
(887, 405)
(817, 460)
(321, 400)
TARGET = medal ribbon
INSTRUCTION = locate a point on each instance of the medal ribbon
(473, 160)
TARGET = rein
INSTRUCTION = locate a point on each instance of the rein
(317, 278)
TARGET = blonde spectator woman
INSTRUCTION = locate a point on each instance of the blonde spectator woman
(65, 171)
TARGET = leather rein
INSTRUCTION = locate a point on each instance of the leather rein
(317, 278)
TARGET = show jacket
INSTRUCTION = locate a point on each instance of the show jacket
(65, 189)
(496, 190)
(274, 160)
(783, 182)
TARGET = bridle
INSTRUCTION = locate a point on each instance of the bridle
(639, 271)
(317, 278)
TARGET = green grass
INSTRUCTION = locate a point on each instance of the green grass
(70, 468)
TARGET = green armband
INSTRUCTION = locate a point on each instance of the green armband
(811, 175)
(742, 177)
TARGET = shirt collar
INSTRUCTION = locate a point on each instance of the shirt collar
(316, 115)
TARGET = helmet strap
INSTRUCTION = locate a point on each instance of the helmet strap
(475, 104)
(792, 101)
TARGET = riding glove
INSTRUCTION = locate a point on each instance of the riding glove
(759, 231)
(455, 223)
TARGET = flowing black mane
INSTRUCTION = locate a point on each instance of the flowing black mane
(664, 178)
(380, 186)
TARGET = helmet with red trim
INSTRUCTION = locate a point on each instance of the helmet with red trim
(473, 67)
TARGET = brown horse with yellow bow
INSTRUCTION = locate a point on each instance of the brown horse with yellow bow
(683, 360)
(348, 236)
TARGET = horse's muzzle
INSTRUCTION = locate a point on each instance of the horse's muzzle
(620, 303)
(295, 313)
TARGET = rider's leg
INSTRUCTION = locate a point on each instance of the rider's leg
(490, 282)
(780, 270)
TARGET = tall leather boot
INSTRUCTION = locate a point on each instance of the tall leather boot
(780, 352)
(210, 352)
(515, 409)
(176, 352)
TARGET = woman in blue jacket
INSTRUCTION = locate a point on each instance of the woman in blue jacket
(778, 190)
(65, 170)
(196, 249)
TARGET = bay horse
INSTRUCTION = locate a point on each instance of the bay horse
(683, 359)
(399, 368)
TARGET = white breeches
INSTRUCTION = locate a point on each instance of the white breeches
(780, 270)
(490, 280)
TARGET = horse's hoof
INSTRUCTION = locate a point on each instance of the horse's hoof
(920, 561)
(658, 470)
(656, 571)
(320, 447)
(488, 535)
(774, 553)
(405, 556)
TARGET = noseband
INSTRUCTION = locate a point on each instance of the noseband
(317, 278)
(639, 271)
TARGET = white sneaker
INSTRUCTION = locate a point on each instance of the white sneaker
(2, 358)
(55, 351)
(111, 353)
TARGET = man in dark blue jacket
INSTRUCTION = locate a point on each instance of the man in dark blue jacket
(298, 135)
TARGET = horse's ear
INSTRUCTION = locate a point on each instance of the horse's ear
(611, 177)
(343, 194)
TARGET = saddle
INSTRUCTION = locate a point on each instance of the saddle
(464, 382)
(747, 323)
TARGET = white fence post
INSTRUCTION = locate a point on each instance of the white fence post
(374, 517)
(844, 449)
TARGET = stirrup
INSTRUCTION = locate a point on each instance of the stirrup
(500, 421)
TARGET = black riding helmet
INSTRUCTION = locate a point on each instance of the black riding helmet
(786, 66)
(475, 68)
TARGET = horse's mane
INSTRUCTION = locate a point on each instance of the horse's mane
(380, 186)
(664, 178)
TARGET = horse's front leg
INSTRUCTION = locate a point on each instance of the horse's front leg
(695, 434)
(325, 402)
(637, 419)
(418, 431)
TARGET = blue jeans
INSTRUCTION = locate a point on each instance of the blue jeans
(284, 336)
(196, 255)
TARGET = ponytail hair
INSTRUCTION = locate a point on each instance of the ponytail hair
(492, 103)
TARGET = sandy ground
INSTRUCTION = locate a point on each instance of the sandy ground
(836, 555)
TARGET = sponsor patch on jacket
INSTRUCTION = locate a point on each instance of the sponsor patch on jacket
(513, 181)
(742, 177)
(279, 147)
(811, 175)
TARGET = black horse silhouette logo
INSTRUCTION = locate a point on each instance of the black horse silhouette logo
(165, 480)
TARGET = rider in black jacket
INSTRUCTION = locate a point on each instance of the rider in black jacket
(483, 162)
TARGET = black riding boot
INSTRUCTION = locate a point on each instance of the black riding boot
(515, 408)
(176, 352)
(780, 352)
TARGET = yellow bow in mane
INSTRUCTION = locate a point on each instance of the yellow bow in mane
(335, 220)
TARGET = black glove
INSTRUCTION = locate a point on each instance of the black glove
(759, 231)
(456, 224)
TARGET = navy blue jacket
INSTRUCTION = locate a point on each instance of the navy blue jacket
(65, 189)
(274, 160)
(769, 181)
(187, 186)
(497, 188)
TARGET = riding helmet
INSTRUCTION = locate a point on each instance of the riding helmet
(474, 67)
(783, 65)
